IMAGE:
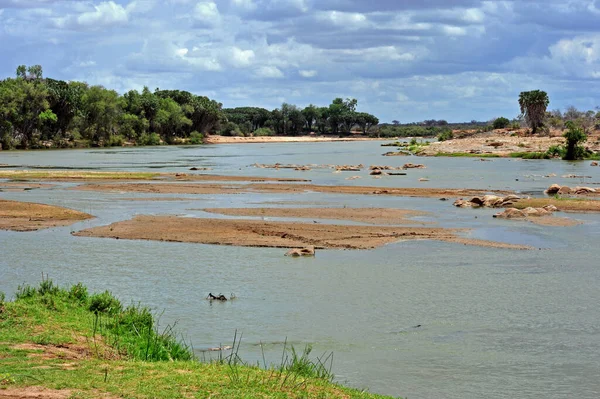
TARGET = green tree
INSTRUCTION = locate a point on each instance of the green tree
(533, 106)
(501, 123)
(574, 136)
(310, 114)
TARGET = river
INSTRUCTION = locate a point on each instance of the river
(492, 323)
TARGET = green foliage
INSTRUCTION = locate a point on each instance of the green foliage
(408, 131)
(263, 131)
(574, 136)
(533, 106)
(501, 123)
(149, 139)
(301, 365)
(445, 135)
(104, 303)
(79, 293)
(115, 141)
(530, 155)
(556, 151)
(196, 138)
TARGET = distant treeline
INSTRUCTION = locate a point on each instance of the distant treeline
(42, 112)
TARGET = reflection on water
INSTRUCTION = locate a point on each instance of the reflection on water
(492, 322)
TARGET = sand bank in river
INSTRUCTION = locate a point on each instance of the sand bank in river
(187, 188)
(254, 233)
(563, 204)
(385, 216)
(85, 176)
(26, 216)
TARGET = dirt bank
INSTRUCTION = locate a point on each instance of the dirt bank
(563, 204)
(255, 233)
(184, 188)
(214, 139)
(386, 216)
(26, 216)
(500, 144)
(12, 186)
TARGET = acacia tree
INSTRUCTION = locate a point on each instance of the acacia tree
(533, 106)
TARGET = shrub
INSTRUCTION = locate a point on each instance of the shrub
(263, 131)
(230, 129)
(574, 135)
(501, 123)
(149, 139)
(115, 141)
(104, 303)
(556, 151)
(79, 292)
(196, 138)
(447, 135)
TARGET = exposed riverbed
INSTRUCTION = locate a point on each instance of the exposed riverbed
(492, 322)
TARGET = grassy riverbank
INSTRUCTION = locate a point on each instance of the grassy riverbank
(59, 343)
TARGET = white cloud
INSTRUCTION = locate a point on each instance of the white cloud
(247, 5)
(207, 12)
(307, 73)
(270, 72)
(343, 19)
(584, 49)
(104, 14)
(241, 58)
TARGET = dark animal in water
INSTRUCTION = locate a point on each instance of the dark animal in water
(212, 297)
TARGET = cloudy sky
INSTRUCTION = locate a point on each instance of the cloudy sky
(402, 59)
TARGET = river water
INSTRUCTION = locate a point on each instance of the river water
(494, 323)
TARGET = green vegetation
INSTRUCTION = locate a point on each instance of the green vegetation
(339, 118)
(409, 131)
(445, 135)
(501, 123)
(65, 174)
(92, 346)
(530, 155)
(574, 136)
(533, 107)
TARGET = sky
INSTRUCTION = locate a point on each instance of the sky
(405, 60)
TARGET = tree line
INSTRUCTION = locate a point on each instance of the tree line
(37, 112)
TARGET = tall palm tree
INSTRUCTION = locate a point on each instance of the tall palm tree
(533, 107)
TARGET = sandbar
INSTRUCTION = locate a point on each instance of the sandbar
(27, 216)
(384, 216)
(257, 233)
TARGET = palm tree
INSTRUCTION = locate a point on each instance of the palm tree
(533, 107)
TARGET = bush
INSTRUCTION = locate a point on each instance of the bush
(556, 151)
(263, 131)
(196, 138)
(149, 139)
(447, 135)
(501, 123)
(104, 303)
(574, 135)
(230, 129)
(115, 141)
(79, 292)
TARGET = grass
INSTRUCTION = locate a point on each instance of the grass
(530, 155)
(562, 203)
(466, 154)
(90, 345)
(75, 175)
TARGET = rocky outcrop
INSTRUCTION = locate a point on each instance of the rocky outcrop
(297, 252)
(376, 172)
(594, 163)
(566, 190)
(413, 166)
(487, 201)
(514, 213)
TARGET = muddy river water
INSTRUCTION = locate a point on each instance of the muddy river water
(417, 319)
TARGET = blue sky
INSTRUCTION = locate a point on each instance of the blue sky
(408, 60)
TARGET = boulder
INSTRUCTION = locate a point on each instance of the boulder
(511, 213)
(376, 172)
(413, 166)
(297, 252)
(476, 201)
(423, 179)
(492, 201)
(461, 203)
(594, 163)
(564, 190)
(553, 189)
(551, 208)
(584, 190)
